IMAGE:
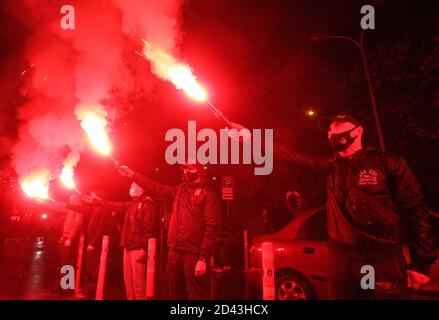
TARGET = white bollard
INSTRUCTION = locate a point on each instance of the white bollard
(102, 268)
(268, 285)
(245, 250)
(79, 263)
(150, 268)
(212, 277)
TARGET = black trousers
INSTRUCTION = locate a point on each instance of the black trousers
(91, 271)
(344, 276)
(183, 284)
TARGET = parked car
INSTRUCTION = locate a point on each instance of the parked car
(300, 254)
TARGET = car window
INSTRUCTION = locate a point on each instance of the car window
(314, 229)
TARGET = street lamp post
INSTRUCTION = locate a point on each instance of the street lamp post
(360, 45)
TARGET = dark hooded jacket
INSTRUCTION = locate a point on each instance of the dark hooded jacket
(195, 221)
(374, 203)
(98, 225)
(140, 224)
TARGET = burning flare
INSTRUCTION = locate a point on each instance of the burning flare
(67, 172)
(180, 74)
(36, 184)
(66, 177)
(94, 122)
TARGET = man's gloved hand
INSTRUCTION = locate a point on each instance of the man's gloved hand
(142, 256)
(90, 248)
(125, 171)
(67, 243)
(200, 268)
(415, 279)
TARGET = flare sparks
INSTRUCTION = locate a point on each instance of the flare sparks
(67, 173)
(180, 74)
(94, 122)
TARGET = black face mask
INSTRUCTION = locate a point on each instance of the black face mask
(342, 141)
(190, 177)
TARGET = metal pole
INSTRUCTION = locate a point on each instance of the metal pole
(246, 268)
(360, 46)
(372, 94)
(245, 250)
(219, 115)
(212, 277)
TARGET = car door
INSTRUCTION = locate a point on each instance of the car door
(310, 251)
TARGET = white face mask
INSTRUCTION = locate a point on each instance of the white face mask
(135, 190)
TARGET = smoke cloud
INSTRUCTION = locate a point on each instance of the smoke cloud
(69, 70)
(155, 21)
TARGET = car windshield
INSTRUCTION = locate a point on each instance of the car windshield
(314, 228)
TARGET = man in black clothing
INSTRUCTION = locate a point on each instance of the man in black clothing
(372, 198)
(140, 224)
(193, 229)
(99, 224)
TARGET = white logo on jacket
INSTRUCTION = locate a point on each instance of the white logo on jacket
(368, 177)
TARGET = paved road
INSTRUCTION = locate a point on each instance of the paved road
(29, 269)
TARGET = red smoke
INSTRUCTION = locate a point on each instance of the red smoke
(71, 69)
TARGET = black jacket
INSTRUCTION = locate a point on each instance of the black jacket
(196, 216)
(140, 224)
(98, 225)
(374, 201)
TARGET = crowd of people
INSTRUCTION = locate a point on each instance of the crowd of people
(194, 230)
(374, 204)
